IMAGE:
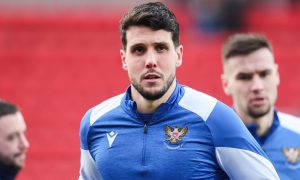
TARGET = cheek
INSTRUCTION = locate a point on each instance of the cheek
(271, 87)
(240, 91)
(167, 62)
(7, 149)
(167, 68)
(134, 73)
(135, 65)
(132, 70)
(272, 91)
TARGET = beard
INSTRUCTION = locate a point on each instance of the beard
(9, 162)
(156, 94)
(257, 113)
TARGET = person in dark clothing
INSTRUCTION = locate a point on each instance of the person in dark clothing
(13, 142)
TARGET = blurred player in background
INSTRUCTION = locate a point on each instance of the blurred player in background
(251, 78)
(13, 142)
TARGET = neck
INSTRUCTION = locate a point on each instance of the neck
(264, 123)
(149, 106)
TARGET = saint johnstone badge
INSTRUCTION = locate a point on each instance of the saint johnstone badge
(292, 154)
(175, 134)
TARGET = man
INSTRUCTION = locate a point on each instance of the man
(251, 78)
(160, 129)
(13, 142)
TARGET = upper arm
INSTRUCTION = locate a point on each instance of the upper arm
(237, 152)
(88, 170)
(244, 164)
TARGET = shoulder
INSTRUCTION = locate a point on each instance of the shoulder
(206, 106)
(223, 122)
(94, 114)
(198, 102)
(104, 107)
(219, 118)
(289, 122)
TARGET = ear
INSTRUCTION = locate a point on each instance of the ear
(225, 84)
(179, 51)
(277, 74)
(123, 57)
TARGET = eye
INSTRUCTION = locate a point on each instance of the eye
(138, 50)
(161, 48)
(244, 77)
(11, 137)
(264, 73)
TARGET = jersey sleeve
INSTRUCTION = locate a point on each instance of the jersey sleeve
(237, 152)
(88, 170)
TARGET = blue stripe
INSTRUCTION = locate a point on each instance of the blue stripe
(229, 131)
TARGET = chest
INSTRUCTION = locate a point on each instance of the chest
(155, 150)
(283, 149)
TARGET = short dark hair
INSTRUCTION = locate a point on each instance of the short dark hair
(7, 108)
(154, 15)
(244, 44)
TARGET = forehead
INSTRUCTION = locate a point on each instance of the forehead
(12, 123)
(145, 35)
(259, 60)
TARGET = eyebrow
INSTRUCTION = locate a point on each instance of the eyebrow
(138, 44)
(155, 43)
(161, 43)
(244, 74)
(251, 73)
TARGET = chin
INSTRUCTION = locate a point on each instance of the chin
(259, 112)
(19, 163)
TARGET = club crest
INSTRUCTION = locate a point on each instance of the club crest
(292, 154)
(175, 134)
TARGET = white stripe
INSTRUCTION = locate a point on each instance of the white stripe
(289, 122)
(198, 102)
(88, 170)
(105, 107)
(244, 164)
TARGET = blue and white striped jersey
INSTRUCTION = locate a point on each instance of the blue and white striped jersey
(191, 136)
(282, 145)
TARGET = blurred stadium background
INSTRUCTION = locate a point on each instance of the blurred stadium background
(59, 58)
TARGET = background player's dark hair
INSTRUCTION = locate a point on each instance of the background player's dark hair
(154, 15)
(243, 44)
(7, 108)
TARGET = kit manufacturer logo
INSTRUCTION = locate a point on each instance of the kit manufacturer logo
(111, 137)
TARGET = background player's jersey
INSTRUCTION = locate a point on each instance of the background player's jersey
(191, 136)
(282, 145)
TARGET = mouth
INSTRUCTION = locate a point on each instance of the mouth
(20, 155)
(151, 77)
(258, 101)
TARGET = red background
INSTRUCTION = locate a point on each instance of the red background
(56, 65)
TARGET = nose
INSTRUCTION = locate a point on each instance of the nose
(23, 144)
(257, 83)
(151, 59)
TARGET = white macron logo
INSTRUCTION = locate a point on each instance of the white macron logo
(111, 137)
